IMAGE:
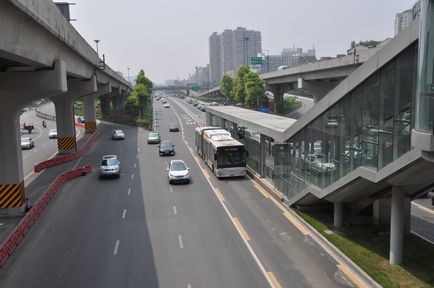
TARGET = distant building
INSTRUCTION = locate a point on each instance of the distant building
(295, 56)
(403, 20)
(231, 49)
(271, 63)
(201, 76)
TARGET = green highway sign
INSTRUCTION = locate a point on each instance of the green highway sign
(256, 60)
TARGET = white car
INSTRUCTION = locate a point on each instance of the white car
(52, 134)
(118, 134)
(110, 166)
(166, 105)
(27, 143)
(178, 172)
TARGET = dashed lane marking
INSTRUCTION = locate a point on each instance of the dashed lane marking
(175, 212)
(132, 176)
(219, 195)
(129, 191)
(181, 244)
(124, 213)
(115, 251)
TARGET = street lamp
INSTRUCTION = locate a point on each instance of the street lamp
(97, 41)
(128, 69)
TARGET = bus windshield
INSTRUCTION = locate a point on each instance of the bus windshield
(231, 157)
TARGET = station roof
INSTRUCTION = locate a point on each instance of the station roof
(267, 124)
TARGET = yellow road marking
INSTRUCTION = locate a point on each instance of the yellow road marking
(296, 223)
(261, 190)
(273, 278)
(350, 275)
(241, 228)
(206, 173)
(219, 194)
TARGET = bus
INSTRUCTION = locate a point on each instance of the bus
(223, 154)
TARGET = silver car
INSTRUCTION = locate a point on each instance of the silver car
(27, 143)
(52, 134)
(110, 166)
(178, 172)
(118, 134)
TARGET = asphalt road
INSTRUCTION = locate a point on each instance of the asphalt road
(140, 231)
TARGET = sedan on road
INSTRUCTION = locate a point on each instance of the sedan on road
(110, 166)
(154, 138)
(166, 148)
(52, 134)
(118, 134)
(27, 143)
(173, 127)
(178, 172)
(166, 105)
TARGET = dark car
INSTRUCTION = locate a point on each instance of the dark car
(166, 148)
(80, 119)
(173, 127)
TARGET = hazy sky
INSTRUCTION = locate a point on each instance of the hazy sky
(167, 39)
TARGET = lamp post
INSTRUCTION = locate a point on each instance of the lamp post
(97, 41)
(128, 73)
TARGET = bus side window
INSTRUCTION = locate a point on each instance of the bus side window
(215, 156)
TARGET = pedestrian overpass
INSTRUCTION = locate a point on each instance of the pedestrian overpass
(368, 142)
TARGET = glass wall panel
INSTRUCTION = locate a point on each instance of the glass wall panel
(370, 114)
(405, 74)
(331, 144)
(345, 135)
(356, 128)
(387, 114)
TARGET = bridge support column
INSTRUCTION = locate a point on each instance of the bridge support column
(338, 218)
(397, 225)
(16, 90)
(64, 103)
(89, 103)
(278, 91)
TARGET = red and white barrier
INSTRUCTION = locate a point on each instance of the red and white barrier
(17, 235)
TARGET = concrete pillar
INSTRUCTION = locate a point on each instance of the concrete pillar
(397, 225)
(64, 103)
(16, 90)
(262, 156)
(89, 103)
(235, 131)
(338, 218)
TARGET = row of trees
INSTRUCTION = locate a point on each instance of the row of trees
(139, 101)
(246, 88)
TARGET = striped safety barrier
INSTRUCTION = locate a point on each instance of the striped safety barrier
(67, 144)
(11, 195)
(90, 127)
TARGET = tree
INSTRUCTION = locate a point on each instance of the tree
(142, 79)
(240, 84)
(132, 106)
(142, 93)
(227, 87)
(254, 89)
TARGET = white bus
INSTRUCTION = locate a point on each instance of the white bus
(224, 155)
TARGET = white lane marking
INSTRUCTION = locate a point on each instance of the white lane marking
(423, 207)
(132, 176)
(115, 251)
(188, 285)
(135, 165)
(138, 149)
(25, 156)
(124, 213)
(171, 189)
(181, 244)
(129, 191)
(175, 212)
(36, 150)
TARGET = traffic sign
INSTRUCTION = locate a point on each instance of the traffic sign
(256, 60)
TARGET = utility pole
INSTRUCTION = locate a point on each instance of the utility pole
(97, 41)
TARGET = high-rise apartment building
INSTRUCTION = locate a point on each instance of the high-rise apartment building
(231, 49)
(402, 20)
